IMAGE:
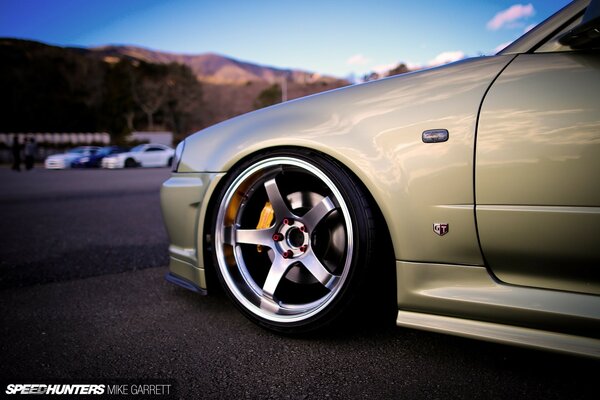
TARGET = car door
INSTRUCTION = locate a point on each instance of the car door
(152, 156)
(537, 170)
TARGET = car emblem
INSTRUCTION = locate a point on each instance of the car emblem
(440, 229)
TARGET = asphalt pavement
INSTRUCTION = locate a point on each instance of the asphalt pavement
(82, 299)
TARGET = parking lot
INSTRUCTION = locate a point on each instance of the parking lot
(82, 297)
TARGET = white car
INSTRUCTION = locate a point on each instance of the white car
(144, 155)
(64, 160)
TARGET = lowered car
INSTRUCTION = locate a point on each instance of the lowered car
(64, 160)
(144, 155)
(474, 184)
(94, 160)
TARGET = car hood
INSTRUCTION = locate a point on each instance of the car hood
(336, 118)
(65, 156)
(120, 155)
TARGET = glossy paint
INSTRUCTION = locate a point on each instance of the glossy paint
(145, 155)
(536, 172)
(539, 34)
(184, 198)
(376, 131)
(515, 183)
(468, 301)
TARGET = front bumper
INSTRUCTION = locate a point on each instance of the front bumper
(56, 164)
(110, 162)
(184, 283)
(184, 198)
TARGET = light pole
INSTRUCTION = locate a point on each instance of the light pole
(284, 88)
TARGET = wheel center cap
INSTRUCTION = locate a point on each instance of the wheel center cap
(295, 237)
(292, 239)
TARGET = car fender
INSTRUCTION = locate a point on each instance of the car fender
(375, 130)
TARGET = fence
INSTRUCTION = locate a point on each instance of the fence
(51, 143)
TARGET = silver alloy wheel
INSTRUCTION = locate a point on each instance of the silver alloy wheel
(293, 269)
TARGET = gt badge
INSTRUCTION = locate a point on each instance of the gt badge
(440, 229)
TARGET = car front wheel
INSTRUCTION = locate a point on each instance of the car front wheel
(293, 238)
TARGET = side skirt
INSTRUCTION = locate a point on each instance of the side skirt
(506, 334)
(467, 301)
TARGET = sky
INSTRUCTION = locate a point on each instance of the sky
(338, 38)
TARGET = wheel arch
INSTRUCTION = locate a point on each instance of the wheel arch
(386, 249)
(375, 131)
(130, 161)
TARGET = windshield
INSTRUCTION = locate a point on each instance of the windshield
(80, 150)
(106, 151)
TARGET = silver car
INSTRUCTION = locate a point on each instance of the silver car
(64, 160)
(472, 187)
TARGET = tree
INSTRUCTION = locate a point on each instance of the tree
(53, 89)
(118, 108)
(399, 69)
(373, 76)
(184, 99)
(268, 97)
(48, 89)
(149, 89)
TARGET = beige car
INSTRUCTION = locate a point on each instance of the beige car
(474, 186)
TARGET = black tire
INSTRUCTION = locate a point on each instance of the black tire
(170, 162)
(302, 270)
(130, 163)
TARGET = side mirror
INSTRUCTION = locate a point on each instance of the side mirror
(586, 35)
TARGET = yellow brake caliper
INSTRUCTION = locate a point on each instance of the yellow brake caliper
(266, 217)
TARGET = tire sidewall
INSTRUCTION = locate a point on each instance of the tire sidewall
(363, 238)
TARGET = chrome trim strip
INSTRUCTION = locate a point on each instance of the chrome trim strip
(534, 208)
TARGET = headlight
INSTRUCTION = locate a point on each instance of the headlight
(177, 157)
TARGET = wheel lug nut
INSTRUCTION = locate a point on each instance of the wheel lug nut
(304, 248)
(302, 228)
(278, 237)
(287, 254)
(287, 221)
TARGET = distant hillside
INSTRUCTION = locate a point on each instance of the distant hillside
(212, 67)
(230, 86)
(54, 89)
(119, 89)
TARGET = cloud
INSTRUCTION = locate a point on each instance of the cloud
(511, 14)
(500, 47)
(383, 68)
(358, 59)
(446, 57)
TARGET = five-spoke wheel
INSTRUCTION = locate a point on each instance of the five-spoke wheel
(285, 239)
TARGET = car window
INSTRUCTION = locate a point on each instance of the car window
(552, 45)
(154, 149)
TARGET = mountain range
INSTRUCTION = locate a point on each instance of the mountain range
(231, 87)
(211, 67)
(66, 89)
